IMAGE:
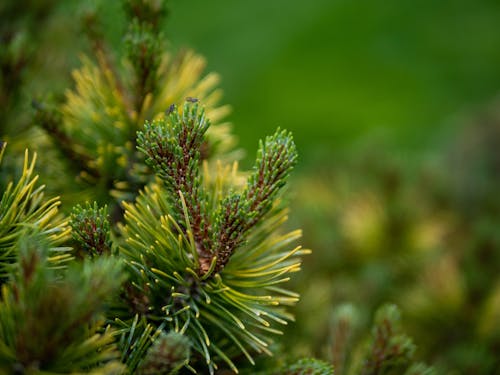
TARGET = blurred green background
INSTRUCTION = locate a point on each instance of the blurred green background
(337, 72)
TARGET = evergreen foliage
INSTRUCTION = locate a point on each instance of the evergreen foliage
(205, 256)
(22, 205)
(54, 325)
(201, 262)
(91, 229)
(94, 128)
(387, 350)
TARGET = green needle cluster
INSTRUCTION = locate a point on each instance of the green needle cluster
(204, 248)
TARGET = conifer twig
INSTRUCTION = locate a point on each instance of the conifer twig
(172, 148)
(239, 213)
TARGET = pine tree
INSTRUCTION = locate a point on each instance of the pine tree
(203, 254)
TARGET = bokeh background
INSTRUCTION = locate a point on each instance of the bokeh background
(338, 72)
(394, 107)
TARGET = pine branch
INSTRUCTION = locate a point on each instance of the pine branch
(91, 229)
(239, 213)
(144, 52)
(53, 324)
(147, 11)
(390, 350)
(144, 44)
(22, 204)
(94, 30)
(172, 149)
(344, 322)
(181, 233)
